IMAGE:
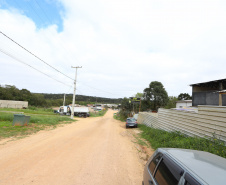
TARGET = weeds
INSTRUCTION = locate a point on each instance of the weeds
(118, 117)
(163, 139)
(37, 122)
(30, 110)
(98, 114)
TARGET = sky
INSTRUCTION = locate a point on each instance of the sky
(122, 45)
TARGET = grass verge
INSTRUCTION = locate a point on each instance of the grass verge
(30, 110)
(37, 122)
(98, 113)
(163, 139)
(117, 117)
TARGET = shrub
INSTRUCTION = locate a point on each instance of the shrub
(163, 139)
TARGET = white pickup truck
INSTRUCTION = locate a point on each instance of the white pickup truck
(78, 111)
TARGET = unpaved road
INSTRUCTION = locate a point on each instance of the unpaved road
(93, 151)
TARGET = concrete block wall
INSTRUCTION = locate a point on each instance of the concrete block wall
(208, 121)
(13, 104)
(149, 119)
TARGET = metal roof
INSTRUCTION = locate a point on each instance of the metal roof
(184, 101)
(210, 82)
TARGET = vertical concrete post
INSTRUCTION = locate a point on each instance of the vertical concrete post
(220, 86)
(220, 99)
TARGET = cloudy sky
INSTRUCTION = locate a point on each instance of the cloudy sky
(122, 45)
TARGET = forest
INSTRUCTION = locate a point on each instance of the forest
(9, 92)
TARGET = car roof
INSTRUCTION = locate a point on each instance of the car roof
(208, 167)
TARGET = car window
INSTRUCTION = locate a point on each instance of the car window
(168, 172)
(154, 162)
(131, 120)
(189, 180)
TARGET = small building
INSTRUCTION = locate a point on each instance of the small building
(13, 104)
(209, 93)
(111, 105)
(183, 103)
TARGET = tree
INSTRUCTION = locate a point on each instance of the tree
(184, 96)
(171, 103)
(125, 109)
(145, 105)
(139, 95)
(156, 95)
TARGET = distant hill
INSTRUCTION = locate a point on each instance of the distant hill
(82, 98)
(9, 92)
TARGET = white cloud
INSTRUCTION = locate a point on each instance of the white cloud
(122, 45)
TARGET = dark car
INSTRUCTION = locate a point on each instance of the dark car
(131, 122)
(171, 166)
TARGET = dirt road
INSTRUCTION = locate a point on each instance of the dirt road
(93, 151)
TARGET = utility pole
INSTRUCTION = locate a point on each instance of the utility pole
(73, 101)
(140, 105)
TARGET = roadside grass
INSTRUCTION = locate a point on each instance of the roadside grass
(140, 141)
(98, 113)
(163, 139)
(30, 110)
(118, 117)
(37, 122)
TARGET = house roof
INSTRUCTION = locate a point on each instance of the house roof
(214, 82)
(184, 101)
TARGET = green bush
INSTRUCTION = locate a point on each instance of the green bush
(163, 139)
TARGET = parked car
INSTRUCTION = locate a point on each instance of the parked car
(171, 166)
(131, 122)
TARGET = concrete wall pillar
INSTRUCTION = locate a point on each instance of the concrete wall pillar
(220, 99)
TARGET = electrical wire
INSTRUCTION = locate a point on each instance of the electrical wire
(46, 15)
(48, 65)
(43, 11)
(43, 60)
(35, 55)
(61, 46)
(8, 54)
(98, 89)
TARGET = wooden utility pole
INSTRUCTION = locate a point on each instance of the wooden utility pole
(140, 105)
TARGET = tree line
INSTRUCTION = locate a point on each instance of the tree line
(9, 92)
(153, 97)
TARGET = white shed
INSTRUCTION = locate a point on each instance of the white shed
(183, 103)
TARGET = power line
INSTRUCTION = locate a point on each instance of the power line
(99, 89)
(40, 58)
(46, 15)
(8, 54)
(35, 55)
(43, 11)
(48, 65)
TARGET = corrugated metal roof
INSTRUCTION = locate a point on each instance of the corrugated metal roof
(214, 81)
